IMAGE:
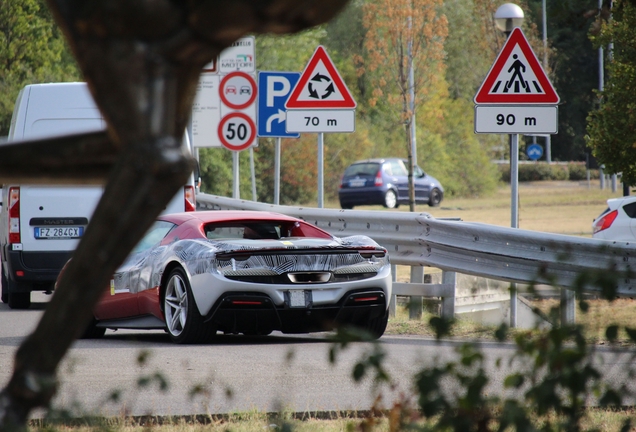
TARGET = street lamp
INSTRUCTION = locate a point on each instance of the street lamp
(508, 16)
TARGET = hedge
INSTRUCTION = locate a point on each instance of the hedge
(537, 171)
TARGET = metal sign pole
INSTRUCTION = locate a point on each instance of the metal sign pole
(277, 172)
(514, 180)
(321, 180)
(235, 171)
(514, 214)
(253, 170)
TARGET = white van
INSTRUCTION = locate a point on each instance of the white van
(41, 225)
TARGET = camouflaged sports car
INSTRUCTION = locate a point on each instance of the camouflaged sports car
(194, 274)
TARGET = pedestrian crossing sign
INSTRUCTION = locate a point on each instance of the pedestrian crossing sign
(517, 77)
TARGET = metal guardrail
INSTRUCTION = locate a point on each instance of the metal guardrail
(510, 254)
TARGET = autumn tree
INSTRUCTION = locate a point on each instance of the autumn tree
(404, 36)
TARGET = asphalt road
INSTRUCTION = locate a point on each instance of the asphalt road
(236, 373)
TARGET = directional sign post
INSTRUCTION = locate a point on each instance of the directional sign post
(320, 102)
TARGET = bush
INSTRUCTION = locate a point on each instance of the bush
(539, 171)
(579, 172)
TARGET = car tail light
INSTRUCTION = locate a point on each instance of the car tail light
(378, 178)
(247, 302)
(14, 215)
(341, 182)
(190, 199)
(605, 222)
(366, 299)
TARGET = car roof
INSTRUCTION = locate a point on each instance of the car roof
(376, 160)
(614, 203)
(210, 216)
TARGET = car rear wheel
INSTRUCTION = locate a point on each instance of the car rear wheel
(92, 331)
(377, 326)
(346, 206)
(390, 199)
(435, 197)
(184, 323)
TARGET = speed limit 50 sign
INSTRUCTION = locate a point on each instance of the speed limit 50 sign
(237, 131)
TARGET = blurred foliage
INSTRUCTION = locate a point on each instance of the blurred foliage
(32, 50)
(548, 381)
(611, 126)
(538, 171)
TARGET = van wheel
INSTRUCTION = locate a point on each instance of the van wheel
(19, 300)
(5, 289)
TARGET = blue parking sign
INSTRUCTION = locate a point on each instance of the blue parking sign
(274, 89)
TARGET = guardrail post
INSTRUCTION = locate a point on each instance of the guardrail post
(448, 303)
(568, 306)
(393, 299)
(415, 303)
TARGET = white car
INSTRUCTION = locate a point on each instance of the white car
(618, 220)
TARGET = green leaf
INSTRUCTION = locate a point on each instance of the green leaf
(514, 381)
(611, 333)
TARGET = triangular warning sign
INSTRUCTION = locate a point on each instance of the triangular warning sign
(516, 77)
(320, 86)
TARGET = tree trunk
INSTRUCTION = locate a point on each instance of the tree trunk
(131, 52)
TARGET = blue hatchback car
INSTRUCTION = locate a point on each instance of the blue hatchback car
(385, 182)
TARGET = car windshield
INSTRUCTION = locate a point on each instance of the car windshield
(362, 169)
(261, 230)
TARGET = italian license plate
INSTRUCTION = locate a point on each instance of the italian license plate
(48, 233)
(357, 182)
(297, 298)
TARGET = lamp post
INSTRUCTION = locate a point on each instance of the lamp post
(548, 138)
(507, 17)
